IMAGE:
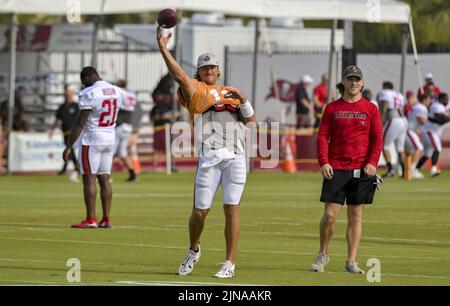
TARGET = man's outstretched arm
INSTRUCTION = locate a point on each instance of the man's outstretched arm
(175, 70)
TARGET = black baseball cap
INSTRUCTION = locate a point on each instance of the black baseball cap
(352, 70)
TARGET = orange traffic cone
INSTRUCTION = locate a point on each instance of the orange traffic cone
(289, 165)
(136, 164)
(408, 170)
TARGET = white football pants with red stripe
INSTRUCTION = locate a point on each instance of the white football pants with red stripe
(431, 143)
(96, 159)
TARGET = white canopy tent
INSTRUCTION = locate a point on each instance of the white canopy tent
(385, 11)
(378, 11)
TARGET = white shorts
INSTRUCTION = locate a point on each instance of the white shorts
(230, 174)
(413, 142)
(123, 133)
(96, 159)
(431, 143)
(395, 131)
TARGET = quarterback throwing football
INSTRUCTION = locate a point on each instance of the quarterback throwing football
(220, 112)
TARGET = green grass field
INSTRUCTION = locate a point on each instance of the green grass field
(407, 229)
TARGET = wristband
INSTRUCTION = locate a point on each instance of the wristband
(247, 110)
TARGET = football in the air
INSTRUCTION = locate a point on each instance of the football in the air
(167, 18)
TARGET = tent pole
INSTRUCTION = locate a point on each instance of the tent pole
(330, 60)
(12, 84)
(416, 55)
(94, 49)
(254, 79)
(255, 61)
(97, 21)
(405, 43)
(178, 59)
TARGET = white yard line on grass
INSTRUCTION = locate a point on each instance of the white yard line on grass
(175, 227)
(168, 283)
(36, 224)
(10, 281)
(176, 283)
(56, 227)
(141, 245)
(437, 242)
(39, 283)
(400, 275)
(116, 195)
(366, 238)
(395, 222)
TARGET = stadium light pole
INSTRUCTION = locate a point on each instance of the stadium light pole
(12, 84)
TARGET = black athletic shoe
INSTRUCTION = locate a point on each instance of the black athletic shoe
(389, 174)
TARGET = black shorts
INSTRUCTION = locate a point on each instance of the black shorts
(345, 188)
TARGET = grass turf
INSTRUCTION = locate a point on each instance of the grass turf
(407, 229)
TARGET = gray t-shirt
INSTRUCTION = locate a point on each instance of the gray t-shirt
(220, 129)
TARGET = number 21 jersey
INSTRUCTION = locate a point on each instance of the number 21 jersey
(104, 100)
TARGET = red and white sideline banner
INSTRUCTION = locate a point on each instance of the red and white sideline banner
(29, 152)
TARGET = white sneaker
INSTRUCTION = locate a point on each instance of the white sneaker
(399, 170)
(226, 271)
(73, 177)
(434, 171)
(417, 174)
(189, 261)
(321, 261)
(352, 267)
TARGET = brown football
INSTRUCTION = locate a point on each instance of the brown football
(167, 18)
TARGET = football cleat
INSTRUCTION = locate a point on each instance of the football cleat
(86, 224)
(73, 177)
(105, 223)
(417, 174)
(389, 174)
(132, 178)
(434, 171)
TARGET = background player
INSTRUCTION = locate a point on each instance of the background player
(432, 133)
(395, 125)
(417, 118)
(124, 128)
(99, 105)
(66, 115)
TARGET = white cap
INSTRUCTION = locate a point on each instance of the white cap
(207, 59)
(428, 76)
(307, 79)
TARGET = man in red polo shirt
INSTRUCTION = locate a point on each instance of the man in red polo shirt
(349, 145)
(320, 93)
